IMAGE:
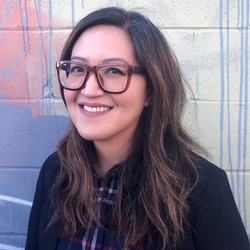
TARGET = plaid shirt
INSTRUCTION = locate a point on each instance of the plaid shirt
(94, 237)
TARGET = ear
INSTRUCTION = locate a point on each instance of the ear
(148, 100)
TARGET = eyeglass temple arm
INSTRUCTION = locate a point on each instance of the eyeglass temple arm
(140, 70)
(63, 67)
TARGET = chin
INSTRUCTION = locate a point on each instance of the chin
(90, 136)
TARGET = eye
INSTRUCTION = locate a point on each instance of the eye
(114, 71)
(77, 69)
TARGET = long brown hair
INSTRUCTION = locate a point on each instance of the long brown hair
(154, 185)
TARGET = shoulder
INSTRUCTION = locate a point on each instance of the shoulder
(209, 175)
(212, 185)
(50, 168)
(214, 217)
(51, 163)
(47, 176)
(206, 168)
(42, 210)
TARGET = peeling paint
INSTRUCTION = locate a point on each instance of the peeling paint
(15, 200)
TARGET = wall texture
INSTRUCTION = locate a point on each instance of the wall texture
(211, 41)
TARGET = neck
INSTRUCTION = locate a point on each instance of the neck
(110, 153)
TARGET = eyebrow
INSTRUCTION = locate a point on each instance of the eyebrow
(78, 58)
(109, 60)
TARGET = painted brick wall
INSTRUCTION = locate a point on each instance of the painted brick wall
(210, 39)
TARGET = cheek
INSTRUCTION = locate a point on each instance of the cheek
(70, 99)
(69, 96)
(135, 96)
(132, 103)
(124, 101)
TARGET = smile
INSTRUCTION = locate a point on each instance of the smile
(96, 109)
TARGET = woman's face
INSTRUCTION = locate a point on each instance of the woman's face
(120, 113)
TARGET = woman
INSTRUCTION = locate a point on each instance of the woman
(125, 175)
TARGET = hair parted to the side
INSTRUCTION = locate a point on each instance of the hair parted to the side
(154, 184)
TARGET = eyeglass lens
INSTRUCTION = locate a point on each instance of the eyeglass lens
(111, 77)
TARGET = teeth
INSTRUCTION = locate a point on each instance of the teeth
(96, 109)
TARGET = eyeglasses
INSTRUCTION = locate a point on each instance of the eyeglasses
(112, 78)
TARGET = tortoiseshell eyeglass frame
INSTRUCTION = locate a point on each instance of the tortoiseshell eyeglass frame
(130, 69)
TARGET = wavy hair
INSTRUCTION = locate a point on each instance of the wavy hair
(155, 181)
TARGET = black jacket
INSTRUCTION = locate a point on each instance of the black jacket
(214, 218)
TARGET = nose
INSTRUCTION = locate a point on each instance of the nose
(92, 88)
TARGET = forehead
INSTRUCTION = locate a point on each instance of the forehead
(102, 42)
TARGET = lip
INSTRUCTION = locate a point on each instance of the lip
(92, 105)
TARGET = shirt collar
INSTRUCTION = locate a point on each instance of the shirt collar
(114, 172)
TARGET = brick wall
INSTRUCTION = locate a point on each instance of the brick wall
(210, 39)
